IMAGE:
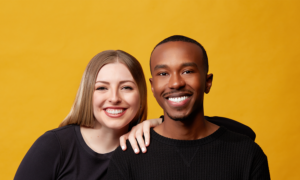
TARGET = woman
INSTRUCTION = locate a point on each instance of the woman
(111, 99)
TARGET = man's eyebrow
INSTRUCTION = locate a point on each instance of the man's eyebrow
(189, 64)
(160, 66)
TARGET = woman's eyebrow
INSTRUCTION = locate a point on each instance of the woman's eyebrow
(121, 82)
(125, 81)
(105, 82)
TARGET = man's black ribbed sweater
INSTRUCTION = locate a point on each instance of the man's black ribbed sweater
(223, 155)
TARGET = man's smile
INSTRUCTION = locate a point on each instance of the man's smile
(177, 99)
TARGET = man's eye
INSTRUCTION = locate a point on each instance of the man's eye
(101, 88)
(162, 74)
(187, 72)
(127, 88)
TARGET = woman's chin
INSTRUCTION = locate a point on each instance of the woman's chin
(118, 126)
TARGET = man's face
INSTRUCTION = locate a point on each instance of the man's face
(178, 78)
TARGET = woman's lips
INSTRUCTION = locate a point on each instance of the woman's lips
(115, 112)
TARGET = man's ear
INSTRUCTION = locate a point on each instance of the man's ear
(150, 79)
(208, 83)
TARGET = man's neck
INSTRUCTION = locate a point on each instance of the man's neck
(192, 128)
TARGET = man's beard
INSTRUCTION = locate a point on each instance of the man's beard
(178, 118)
(184, 117)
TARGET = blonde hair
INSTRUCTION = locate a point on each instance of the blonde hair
(82, 109)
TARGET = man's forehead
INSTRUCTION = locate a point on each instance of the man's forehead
(175, 50)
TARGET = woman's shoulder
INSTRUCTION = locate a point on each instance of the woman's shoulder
(65, 130)
(45, 155)
(65, 136)
(54, 138)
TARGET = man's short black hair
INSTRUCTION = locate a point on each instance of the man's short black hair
(184, 39)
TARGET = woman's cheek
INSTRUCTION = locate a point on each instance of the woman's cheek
(133, 99)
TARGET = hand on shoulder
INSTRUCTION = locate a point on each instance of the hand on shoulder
(135, 136)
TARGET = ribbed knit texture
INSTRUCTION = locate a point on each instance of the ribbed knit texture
(224, 155)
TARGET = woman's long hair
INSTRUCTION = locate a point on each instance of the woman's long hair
(82, 109)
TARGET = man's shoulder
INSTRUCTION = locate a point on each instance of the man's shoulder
(232, 125)
(240, 142)
(120, 161)
(129, 152)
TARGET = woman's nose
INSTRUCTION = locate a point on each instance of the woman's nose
(115, 97)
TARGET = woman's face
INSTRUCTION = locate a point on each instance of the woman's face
(116, 97)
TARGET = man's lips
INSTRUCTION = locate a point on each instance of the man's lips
(177, 94)
(178, 98)
(178, 101)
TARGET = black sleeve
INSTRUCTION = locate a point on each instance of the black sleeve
(42, 160)
(260, 167)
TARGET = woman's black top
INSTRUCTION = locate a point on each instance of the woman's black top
(62, 154)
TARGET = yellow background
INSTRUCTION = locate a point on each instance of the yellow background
(253, 49)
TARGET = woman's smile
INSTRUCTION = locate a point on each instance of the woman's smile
(115, 112)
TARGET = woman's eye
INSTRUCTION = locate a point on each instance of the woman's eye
(101, 88)
(127, 88)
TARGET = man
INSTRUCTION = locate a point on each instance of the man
(185, 145)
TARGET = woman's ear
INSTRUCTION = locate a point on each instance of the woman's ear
(208, 83)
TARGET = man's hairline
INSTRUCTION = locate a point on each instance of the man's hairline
(174, 41)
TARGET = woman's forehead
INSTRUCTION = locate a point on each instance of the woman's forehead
(114, 71)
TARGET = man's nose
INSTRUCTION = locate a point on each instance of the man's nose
(176, 81)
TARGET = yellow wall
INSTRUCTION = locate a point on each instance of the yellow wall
(253, 49)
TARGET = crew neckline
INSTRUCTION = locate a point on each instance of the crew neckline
(87, 148)
(198, 142)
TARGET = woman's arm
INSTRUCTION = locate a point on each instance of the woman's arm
(136, 135)
(42, 160)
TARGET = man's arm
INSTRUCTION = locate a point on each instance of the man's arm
(261, 172)
(260, 167)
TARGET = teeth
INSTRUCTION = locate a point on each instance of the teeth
(178, 99)
(114, 111)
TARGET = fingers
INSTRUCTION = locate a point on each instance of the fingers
(133, 143)
(123, 141)
(146, 129)
(140, 140)
(135, 136)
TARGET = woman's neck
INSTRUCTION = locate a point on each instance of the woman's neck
(102, 139)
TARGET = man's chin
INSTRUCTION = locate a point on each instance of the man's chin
(177, 117)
